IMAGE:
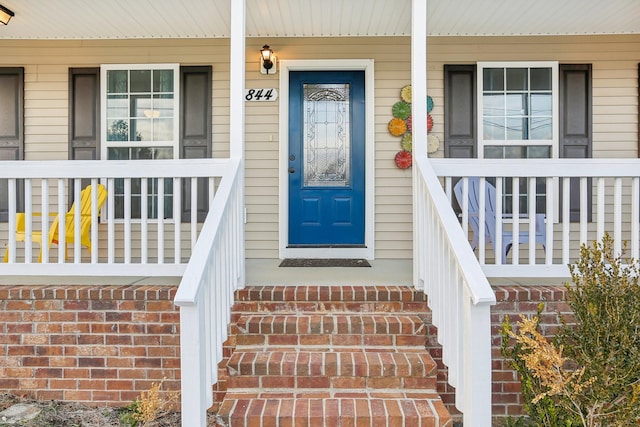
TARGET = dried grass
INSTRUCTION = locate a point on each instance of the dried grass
(69, 414)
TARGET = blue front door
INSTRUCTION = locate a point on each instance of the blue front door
(326, 158)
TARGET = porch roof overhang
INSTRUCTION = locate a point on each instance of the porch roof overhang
(125, 19)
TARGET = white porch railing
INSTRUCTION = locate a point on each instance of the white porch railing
(459, 295)
(132, 242)
(578, 199)
(205, 296)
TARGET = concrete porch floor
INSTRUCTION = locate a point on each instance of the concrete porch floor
(381, 272)
(268, 272)
(258, 272)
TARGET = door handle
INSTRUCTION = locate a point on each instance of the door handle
(292, 170)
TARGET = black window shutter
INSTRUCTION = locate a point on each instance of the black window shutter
(195, 131)
(575, 126)
(84, 113)
(84, 118)
(11, 130)
(460, 111)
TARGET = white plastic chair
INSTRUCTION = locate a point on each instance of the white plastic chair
(490, 219)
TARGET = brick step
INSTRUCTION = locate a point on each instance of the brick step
(311, 307)
(276, 370)
(329, 293)
(339, 411)
(329, 356)
(355, 363)
(347, 324)
(328, 341)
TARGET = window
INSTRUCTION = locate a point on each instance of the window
(140, 121)
(518, 118)
(571, 114)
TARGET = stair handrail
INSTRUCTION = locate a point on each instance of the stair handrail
(459, 295)
(205, 295)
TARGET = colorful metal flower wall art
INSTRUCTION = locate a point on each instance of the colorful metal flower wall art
(400, 126)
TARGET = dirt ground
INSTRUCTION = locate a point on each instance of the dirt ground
(65, 414)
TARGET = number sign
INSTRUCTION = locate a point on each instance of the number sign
(261, 95)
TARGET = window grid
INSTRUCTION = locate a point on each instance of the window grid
(518, 118)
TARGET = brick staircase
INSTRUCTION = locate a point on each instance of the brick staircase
(329, 356)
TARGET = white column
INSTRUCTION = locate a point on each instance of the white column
(419, 118)
(236, 103)
(237, 69)
(419, 77)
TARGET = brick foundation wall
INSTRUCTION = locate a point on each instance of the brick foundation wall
(106, 344)
(95, 344)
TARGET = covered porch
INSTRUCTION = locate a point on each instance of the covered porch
(142, 230)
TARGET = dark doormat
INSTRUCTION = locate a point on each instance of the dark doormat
(303, 262)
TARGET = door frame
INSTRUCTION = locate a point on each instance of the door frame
(287, 66)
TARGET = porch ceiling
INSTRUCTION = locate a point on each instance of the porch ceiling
(120, 19)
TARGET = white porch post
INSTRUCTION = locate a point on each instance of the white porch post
(236, 103)
(419, 117)
(419, 77)
(237, 70)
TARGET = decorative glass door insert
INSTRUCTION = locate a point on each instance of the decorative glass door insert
(327, 135)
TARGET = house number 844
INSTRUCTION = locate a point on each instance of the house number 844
(261, 95)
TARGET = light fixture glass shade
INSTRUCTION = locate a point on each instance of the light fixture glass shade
(5, 15)
(266, 53)
(267, 60)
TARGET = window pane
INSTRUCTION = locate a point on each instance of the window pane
(494, 152)
(141, 106)
(117, 106)
(163, 80)
(117, 81)
(168, 198)
(142, 153)
(541, 128)
(493, 79)
(141, 130)
(517, 128)
(117, 130)
(541, 104)
(162, 129)
(140, 80)
(516, 104)
(163, 105)
(517, 79)
(493, 104)
(494, 129)
(513, 152)
(118, 153)
(163, 153)
(539, 152)
(540, 78)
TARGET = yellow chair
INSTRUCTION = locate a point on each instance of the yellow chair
(85, 223)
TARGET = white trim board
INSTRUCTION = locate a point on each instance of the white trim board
(327, 65)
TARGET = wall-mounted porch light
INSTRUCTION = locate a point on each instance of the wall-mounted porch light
(5, 15)
(267, 60)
